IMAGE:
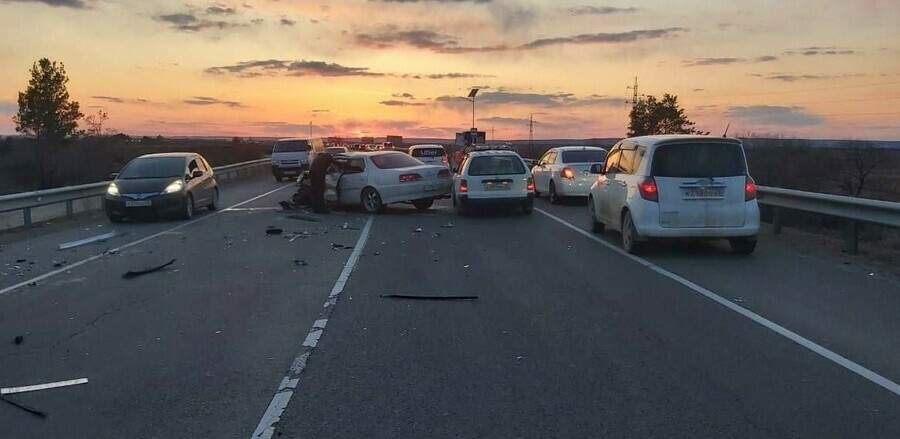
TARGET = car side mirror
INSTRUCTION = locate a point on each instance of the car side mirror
(197, 173)
(112, 176)
(597, 168)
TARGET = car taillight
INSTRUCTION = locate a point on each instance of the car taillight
(749, 189)
(648, 189)
(444, 173)
(444, 160)
(406, 178)
(568, 173)
(463, 186)
(530, 184)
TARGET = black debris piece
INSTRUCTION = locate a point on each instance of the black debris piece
(32, 284)
(414, 297)
(300, 263)
(59, 264)
(133, 274)
(28, 409)
(447, 226)
(339, 246)
(274, 231)
(19, 339)
(19, 261)
(377, 253)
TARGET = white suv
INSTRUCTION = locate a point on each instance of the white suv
(676, 187)
(492, 178)
(430, 154)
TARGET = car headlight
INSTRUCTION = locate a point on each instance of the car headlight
(175, 186)
(112, 190)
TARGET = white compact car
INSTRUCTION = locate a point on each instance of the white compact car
(430, 154)
(492, 178)
(676, 186)
(566, 171)
(374, 179)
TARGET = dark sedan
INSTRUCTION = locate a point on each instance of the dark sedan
(162, 184)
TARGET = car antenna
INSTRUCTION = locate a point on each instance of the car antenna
(726, 129)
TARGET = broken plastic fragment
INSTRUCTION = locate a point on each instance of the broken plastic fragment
(273, 231)
(133, 274)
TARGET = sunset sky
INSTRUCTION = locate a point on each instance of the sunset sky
(810, 68)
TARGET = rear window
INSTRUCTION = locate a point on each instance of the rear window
(291, 146)
(688, 160)
(429, 152)
(496, 165)
(584, 156)
(398, 160)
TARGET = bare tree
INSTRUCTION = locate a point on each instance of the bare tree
(859, 160)
(94, 123)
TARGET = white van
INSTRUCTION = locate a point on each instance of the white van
(676, 186)
(290, 157)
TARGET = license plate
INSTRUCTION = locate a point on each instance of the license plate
(703, 192)
(138, 203)
(496, 186)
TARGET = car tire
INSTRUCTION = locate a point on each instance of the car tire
(279, 178)
(188, 207)
(554, 198)
(596, 226)
(742, 246)
(630, 239)
(461, 208)
(423, 204)
(371, 200)
(215, 201)
(528, 207)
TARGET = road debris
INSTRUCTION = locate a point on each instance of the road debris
(466, 266)
(346, 226)
(19, 339)
(273, 231)
(27, 408)
(416, 297)
(300, 263)
(447, 226)
(418, 230)
(340, 247)
(23, 389)
(58, 264)
(377, 253)
(133, 274)
(20, 261)
(93, 239)
(305, 217)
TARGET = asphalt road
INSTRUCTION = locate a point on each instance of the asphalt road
(568, 337)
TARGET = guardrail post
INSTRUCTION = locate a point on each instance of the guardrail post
(70, 211)
(26, 216)
(851, 237)
(776, 220)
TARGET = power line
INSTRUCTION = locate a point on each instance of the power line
(802, 90)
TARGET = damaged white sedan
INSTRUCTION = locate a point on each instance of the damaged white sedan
(374, 179)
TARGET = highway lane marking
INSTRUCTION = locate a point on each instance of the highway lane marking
(266, 427)
(22, 389)
(133, 243)
(780, 330)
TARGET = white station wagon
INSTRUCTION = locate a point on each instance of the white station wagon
(676, 186)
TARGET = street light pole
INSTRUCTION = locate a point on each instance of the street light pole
(472, 94)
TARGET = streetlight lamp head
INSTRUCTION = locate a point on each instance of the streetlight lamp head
(473, 93)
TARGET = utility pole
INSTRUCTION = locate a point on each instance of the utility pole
(492, 134)
(310, 130)
(531, 133)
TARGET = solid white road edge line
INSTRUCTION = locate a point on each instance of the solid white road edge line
(266, 427)
(11, 390)
(133, 243)
(786, 333)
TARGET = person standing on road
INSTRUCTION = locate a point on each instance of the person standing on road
(317, 171)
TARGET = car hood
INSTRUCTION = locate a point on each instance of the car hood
(143, 185)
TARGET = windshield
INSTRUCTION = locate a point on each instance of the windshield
(428, 152)
(496, 165)
(153, 167)
(690, 160)
(584, 156)
(397, 160)
(291, 146)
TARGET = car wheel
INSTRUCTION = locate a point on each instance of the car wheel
(630, 238)
(371, 200)
(596, 226)
(188, 212)
(742, 246)
(215, 201)
(554, 199)
(461, 208)
(423, 204)
(528, 207)
(279, 178)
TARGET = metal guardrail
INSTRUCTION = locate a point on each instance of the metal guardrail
(25, 201)
(856, 210)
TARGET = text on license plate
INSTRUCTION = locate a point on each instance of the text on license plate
(703, 192)
(138, 203)
(496, 185)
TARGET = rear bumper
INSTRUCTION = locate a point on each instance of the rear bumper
(573, 188)
(490, 202)
(163, 204)
(646, 221)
